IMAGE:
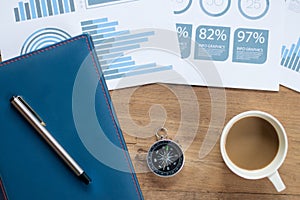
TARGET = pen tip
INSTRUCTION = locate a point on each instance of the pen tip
(12, 98)
(85, 178)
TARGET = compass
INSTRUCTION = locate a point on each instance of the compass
(165, 157)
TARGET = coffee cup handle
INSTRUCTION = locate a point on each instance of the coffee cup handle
(277, 181)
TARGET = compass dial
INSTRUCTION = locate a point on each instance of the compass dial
(165, 158)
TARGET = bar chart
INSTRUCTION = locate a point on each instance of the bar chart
(34, 9)
(113, 47)
(290, 58)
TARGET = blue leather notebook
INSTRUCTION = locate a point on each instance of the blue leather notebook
(64, 84)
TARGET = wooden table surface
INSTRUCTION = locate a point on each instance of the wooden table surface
(204, 176)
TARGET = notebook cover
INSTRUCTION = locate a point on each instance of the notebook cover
(2, 190)
(64, 84)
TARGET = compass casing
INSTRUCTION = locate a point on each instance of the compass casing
(165, 158)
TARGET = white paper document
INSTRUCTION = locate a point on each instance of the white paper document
(121, 30)
(290, 52)
(230, 43)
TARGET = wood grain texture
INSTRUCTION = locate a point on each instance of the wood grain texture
(205, 177)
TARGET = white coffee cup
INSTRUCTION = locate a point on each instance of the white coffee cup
(271, 170)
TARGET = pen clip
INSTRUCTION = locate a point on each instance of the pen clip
(31, 110)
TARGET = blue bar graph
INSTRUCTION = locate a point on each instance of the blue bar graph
(34, 9)
(290, 57)
(112, 47)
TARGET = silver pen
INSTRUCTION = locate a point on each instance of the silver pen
(34, 119)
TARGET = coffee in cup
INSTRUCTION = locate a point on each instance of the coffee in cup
(254, 145)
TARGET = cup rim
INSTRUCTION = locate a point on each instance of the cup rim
(273, 166)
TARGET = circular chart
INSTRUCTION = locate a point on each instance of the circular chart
(180, 6)
(43, 38)
(215, 8)
(254, 9)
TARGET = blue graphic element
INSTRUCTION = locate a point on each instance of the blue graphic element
(32, 7)
(110, 56)
(101, 26)
(297, 61)
(120, 66)
(27, 11)
(112, 46)
(120, 49)
(290, 57)
(250, 46)
(42, 38)
(22, 10)
(114, 34)
(38, 8)
(287, 61)
(61, 6)
(117, 44)
(17, 14)
(55, 7)
(44, 8)
(212, 43)
(67, 8)
(184, 9)
(90, 22)
(35, 9)
(95, 3)
(252, 6)
(49, 5)
(139, 72)
(122, 59)
(214, 14)
(184, 34)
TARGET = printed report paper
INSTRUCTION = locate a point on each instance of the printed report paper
(290, 52)
(121, 30)
(231, 43)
